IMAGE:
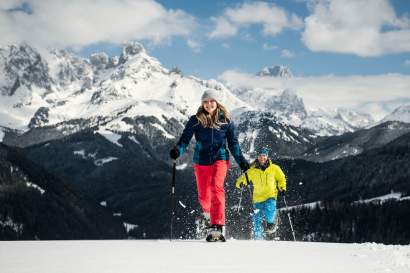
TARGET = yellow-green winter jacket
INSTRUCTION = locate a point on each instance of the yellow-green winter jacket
(265, 182)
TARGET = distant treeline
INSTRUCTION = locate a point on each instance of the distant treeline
(381, 222)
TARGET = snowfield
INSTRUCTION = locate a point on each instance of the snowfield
(200, 257)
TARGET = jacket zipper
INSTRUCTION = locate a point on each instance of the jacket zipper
(212, 144)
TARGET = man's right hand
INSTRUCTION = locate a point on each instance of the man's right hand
(174, 153)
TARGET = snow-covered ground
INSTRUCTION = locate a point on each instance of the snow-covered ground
(197, 257)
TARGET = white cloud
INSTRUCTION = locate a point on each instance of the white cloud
(407, 62)
(195, 46)
(272, 18)
(223, 28)
(60, 23)
(362, 27)
(377, 109)
(286, 53)
(331, 91)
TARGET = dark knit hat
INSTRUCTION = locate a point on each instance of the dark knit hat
(264, 151)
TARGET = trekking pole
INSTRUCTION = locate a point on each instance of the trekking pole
(240, 200)
(174, 167)
(240, 197)
(290, 221)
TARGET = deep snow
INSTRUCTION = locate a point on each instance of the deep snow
(197, 257)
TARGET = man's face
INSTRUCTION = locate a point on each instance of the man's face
(262, 159)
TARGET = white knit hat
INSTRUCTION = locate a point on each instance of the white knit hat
(211, 94)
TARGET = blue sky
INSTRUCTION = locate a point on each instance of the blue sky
(353, 53)
(251, 50)
(190, 47)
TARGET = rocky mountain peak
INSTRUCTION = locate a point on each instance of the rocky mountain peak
(67, 67)
(275, 71)
(289, 105)
(99, 60)
(23, 66)
(131, 49)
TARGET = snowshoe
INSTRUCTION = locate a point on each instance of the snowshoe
(215, 234)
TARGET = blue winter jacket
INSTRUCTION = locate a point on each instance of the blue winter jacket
(210, 142)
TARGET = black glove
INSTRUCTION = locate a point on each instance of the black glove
(244, 166)
(174, 153)
(282, 192)
(243, 186)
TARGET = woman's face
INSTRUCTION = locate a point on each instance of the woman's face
(209, 105)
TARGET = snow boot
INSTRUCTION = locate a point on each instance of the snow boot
(202, 224)
(215, 234)
(270, 230)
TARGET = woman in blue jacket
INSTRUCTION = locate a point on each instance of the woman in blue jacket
(213, 129)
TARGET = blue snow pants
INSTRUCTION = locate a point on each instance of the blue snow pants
(265, 209)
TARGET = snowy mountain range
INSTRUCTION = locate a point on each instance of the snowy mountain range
(354, 143)
(62, 91)
(290, 109)
(41, 91)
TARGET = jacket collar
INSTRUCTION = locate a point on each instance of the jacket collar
(257, 165)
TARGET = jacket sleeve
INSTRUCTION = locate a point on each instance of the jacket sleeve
(233, 143)
(187, 135)
(280, 178)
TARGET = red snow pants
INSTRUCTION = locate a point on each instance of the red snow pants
(211, 194)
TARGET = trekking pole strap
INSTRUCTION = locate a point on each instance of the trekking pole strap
(247, 178)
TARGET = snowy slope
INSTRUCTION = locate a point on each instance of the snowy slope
(1, 134)
(256, 130)
(335, 122)
(401, 113)
(198, 257)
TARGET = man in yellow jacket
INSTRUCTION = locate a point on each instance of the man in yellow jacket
(267, 178)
